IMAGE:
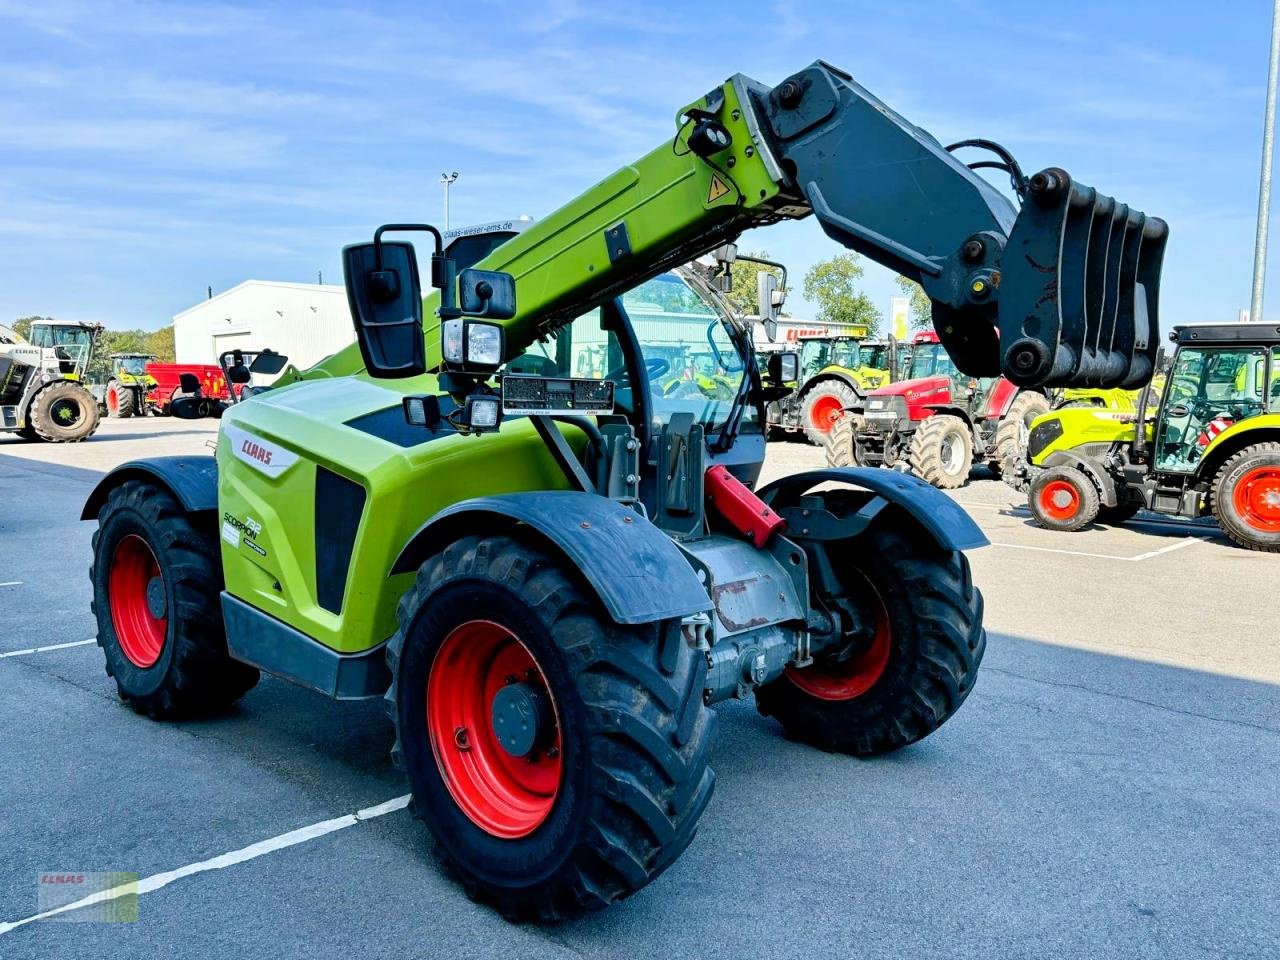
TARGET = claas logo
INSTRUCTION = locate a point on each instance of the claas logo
(261, 454)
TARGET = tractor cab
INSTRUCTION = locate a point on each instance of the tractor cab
(70, 342)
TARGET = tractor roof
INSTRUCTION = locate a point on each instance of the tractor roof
(129, 356)
(1225, 333)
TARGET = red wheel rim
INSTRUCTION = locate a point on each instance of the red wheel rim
(134, 573)
(826, 410)
(1256, 497)
(858, 674)
(113, 401)
(1059, 500)
(504, 795)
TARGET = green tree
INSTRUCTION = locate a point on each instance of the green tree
(921, 305)
(742, 294)
(23, 326)
(833, 286)
(160, 344)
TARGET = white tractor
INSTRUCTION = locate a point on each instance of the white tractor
(43, 395)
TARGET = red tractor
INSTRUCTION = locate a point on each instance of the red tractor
(937, 420)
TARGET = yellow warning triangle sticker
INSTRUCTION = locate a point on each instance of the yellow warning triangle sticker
(718, 189)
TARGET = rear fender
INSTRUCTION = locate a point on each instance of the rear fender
(929, 508)
(193, 481)
(636, 570)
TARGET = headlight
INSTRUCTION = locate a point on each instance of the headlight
(482, 413)
(484, 344)
(451, 341)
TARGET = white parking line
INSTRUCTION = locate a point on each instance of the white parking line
(52, 646)
(1167, 548)
(251, 852)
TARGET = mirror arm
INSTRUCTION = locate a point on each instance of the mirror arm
(443, 275)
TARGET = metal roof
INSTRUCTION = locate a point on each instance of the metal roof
(1225, 333)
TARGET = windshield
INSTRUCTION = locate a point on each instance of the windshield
(134, 366)
(930, 360)
(690, 359)
(875, 356)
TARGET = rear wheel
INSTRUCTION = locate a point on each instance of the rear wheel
(1063, 498)
(559, 758)
(942, 451)
(823, 407)
(1014, 428)
(156, 584)
(1246, 497)
(64, 412)
(904, 675)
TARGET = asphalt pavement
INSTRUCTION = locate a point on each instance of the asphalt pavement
(1109, 789)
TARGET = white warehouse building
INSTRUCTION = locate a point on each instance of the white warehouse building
(304, 321)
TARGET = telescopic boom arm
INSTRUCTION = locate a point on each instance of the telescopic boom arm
(1062, 291)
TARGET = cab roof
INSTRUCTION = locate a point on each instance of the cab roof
(1225, 333)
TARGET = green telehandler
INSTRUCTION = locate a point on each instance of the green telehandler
(551, 576)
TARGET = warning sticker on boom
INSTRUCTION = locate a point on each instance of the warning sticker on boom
(718, 189)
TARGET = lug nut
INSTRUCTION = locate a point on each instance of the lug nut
(789, 94)
(973, 250)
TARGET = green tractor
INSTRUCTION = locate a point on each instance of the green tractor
(496, 522)
(125, 392)
(836, 373)
(1207, 444)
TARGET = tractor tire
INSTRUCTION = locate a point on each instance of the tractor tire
(1246, 497)
(64, 412)
(27, 433)
(823, 406)
(156, 583)
(1011, 432)
(839, 446)
(1063, 498)
(942, 451)
(915, 672)
(120, 401)
(615, 774)
(1121, 513)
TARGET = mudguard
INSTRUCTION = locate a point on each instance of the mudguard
(637, 571)
(1106, 486)
(938, 514)
(192, 479)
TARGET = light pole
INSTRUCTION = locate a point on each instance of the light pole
(1264, 186)
(446, 179)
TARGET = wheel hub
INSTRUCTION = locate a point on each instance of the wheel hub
(522, 718)
(155, 597)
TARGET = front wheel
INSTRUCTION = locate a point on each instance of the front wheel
(1246, 497)
(64, 412)
(1063, 498)
(840, 446)
(559, 758)
(909, 672)
(942, 451)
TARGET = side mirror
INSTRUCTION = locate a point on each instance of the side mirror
(385, 296)
(268, 363)
(784, 367)
(487, 293)
(189, 383)
(769, 300)
(239, 373)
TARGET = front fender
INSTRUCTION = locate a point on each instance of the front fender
(639, 574)
(1106, 485)
(940, 516)
(192, 479)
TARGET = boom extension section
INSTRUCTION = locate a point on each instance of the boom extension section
(1059, 292)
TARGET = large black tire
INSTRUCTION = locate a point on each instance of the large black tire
(1063, 498)
(839, 446)
(1246, 497)
(632, 730)
(144, 535)
(927, 649)
(942, 451)
(64, 412)
(1011, 432)
(27, 433)
(818, 406)
(120, 401)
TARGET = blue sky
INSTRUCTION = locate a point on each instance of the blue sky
(148, 151)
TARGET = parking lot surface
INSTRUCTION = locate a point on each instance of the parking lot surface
(1109, 789)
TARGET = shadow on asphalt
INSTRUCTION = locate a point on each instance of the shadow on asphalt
(76, 474)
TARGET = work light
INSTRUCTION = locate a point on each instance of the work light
(471, 344)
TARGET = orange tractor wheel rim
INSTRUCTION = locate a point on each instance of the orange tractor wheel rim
(824, 413)
(1256, 497)
(1059, 500)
